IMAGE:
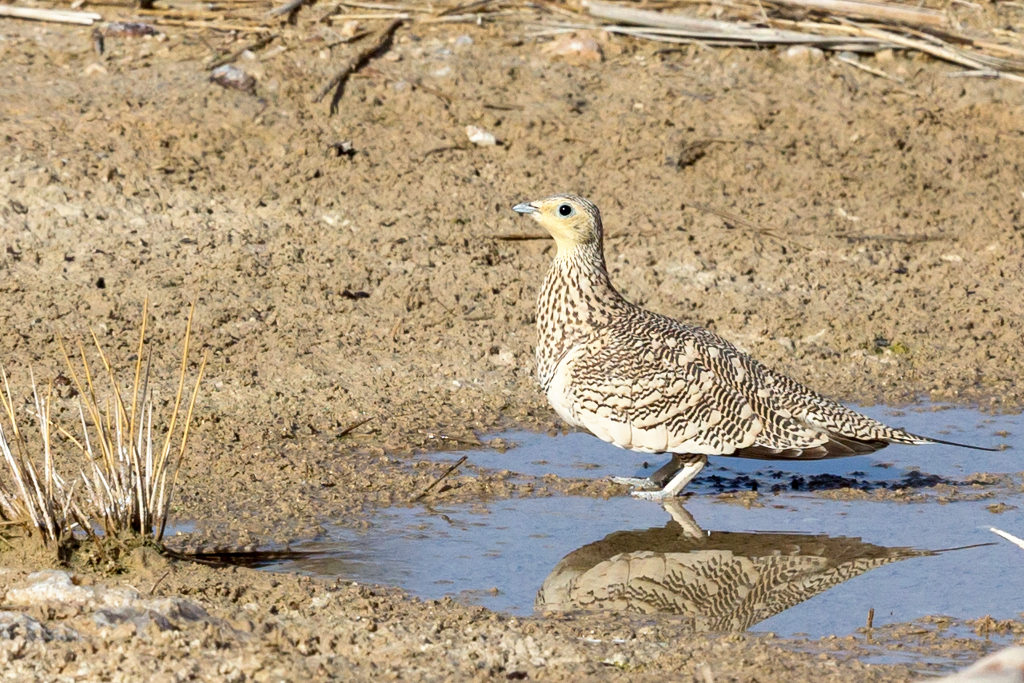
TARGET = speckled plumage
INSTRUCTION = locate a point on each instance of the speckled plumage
(646, 382)
(718, 581)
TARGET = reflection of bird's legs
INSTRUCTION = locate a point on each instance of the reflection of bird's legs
(683, 518)
(656, 480)
(691, 466)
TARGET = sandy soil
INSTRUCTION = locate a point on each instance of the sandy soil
(877, 256)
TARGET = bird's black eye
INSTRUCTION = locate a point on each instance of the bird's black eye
(564, 210)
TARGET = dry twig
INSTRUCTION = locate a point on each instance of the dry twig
(877, 11)
(258, 45)
(337, 83)
(672, 24)
(437, 481)
(289, 8)
(521, 237)
(878, 72)
(60, 16)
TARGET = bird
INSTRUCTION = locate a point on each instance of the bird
(717, 581)
(649, 383)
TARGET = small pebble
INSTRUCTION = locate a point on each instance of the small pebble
(230, 76)
(803, 54)
(94, 69)
(575, 47)
(479, 136)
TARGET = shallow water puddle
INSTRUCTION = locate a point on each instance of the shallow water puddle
(802, 564)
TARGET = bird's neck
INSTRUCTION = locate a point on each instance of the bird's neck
(577, 298)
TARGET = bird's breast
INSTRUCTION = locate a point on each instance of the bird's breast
(558, 389)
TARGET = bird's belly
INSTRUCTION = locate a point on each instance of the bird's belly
(610, 426)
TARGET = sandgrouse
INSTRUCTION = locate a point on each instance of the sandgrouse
(648, 383)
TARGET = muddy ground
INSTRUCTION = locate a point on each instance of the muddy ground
(877, 257)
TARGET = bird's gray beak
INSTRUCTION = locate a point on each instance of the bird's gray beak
(524, 208)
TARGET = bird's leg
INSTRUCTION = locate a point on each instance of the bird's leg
(683, 518)
(657, 480)
(665, 473)
(691, 467)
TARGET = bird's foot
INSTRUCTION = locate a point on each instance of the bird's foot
(640, 484)
(660, 494)
(657, 489)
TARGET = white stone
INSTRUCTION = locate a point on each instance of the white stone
(49, 586)
(481, 137)
(803, 54)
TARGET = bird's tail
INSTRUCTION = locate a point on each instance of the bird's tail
(922, 440)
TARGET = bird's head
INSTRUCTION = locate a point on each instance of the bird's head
(571, 220)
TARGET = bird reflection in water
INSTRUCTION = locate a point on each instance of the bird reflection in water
(722, 580)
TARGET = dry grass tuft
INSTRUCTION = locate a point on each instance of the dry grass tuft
(128, 468)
